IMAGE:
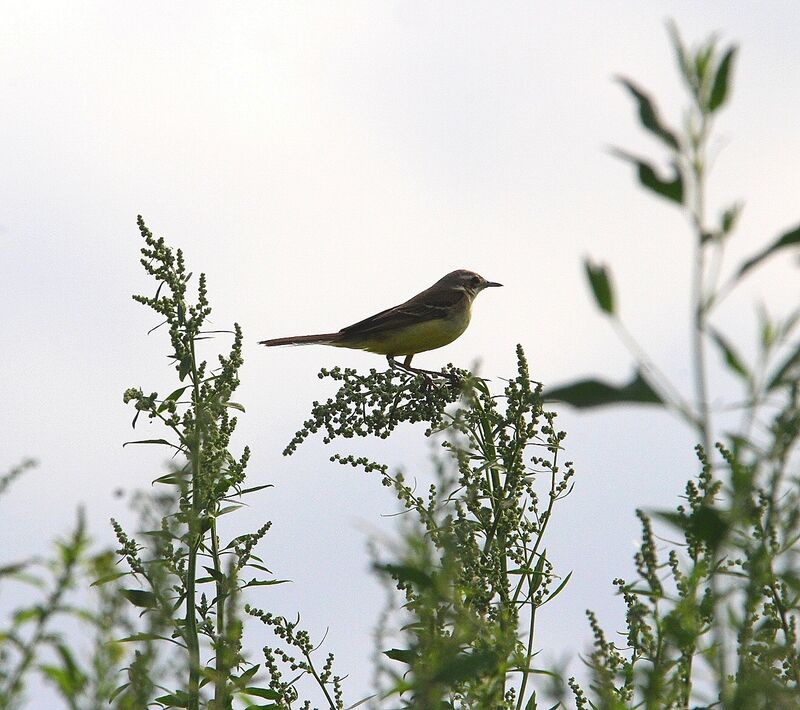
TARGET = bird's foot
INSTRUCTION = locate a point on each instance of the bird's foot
(451, 378)
(406, 367)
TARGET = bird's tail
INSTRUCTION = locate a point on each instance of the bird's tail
(322, 339)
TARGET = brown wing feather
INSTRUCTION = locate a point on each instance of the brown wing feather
(422, 307)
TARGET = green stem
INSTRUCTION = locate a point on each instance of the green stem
(222, 664)
(192, 640)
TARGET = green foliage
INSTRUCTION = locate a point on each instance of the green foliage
(190, 581)
(471, 566)
(712, 619)
(585, 394)
(37, 642)
(711, 616)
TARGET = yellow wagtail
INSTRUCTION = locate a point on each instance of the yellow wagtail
(429, 320)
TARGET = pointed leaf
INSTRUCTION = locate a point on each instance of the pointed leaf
(172, 397)
(407, 573)
(600, 283)
(466, 665)
(681, 55)
(538, 573)
(787, 372)
(100, 581)
(116, 692)
(266, 693)
(788, 239)
(729, 218)
(649, 178)
(245, 491)
(706, 524)
(263, 583)
(400, 654)
(148, 637)
(139, 597)
(559, 588)
(719, 92)
(588, 393)
(178, 699)
(151, 441)
(648, 114)
(732, 359)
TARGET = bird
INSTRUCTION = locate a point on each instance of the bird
(433, 318)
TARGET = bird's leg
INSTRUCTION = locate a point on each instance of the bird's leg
(405, 366)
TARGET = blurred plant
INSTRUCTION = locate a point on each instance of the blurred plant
(713, 620)
(40, 639)
(472, 567)
(183, 556)
(707, 73)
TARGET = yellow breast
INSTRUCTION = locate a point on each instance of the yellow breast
(418, 338)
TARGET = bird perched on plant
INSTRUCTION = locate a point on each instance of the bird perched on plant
(429, 320)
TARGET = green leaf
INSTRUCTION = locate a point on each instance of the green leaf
(139, 597)
(22, 616)
(151, 441)
(12, 569)
(245, 491)
(585, 394)
(184, 367)
(559, 588)
(649, 178)
(466, 665)
(148, 637)
(173, 478)
(731, 357)
(400, 654)
(172, 397)
(648, 114)
(681, 55)
(178, 699)
(263, 582)
(235, 405)
(538, 573)
(786, 373)
(705, 523)
(729, 218)
(787, 239)
(216, 575)
(407, 573)
(719, 91)
(106, 578)
(600, 283)
(116, 692)
(243, 679)
(266, 693)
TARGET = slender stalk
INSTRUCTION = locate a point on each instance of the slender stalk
(221, 699)
(192, 640)
(699, 302)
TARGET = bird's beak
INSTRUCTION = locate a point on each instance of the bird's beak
(491, 283)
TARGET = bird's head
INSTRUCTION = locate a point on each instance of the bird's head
(468, 281)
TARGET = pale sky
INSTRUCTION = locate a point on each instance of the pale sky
(323, 161)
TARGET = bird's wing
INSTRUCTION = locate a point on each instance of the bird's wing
(423, 307)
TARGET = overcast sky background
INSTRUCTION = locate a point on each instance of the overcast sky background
(323, 161)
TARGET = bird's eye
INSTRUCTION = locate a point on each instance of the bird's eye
(474, 281)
